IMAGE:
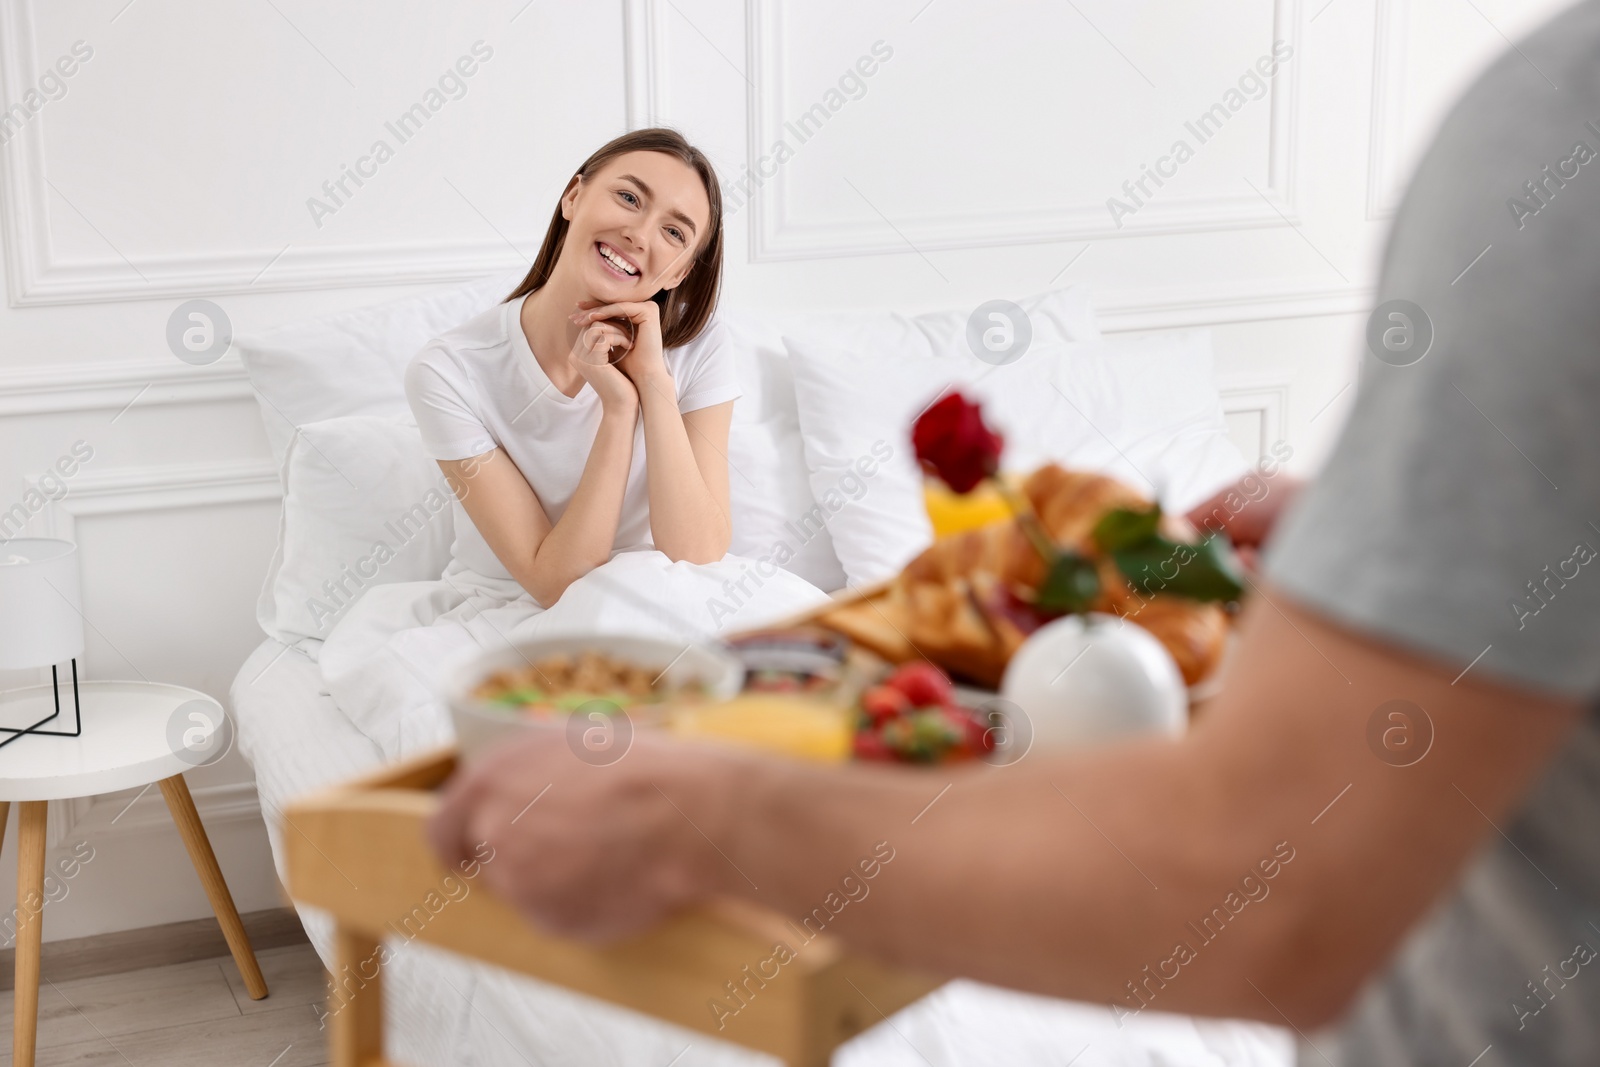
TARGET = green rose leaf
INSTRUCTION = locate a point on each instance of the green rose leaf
(1070, 585)
(1125, 528)
(1204, 571)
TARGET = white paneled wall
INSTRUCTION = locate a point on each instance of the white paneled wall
(1226, 163)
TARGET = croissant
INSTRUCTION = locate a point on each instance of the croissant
(956, 603)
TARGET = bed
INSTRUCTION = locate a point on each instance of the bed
(332, 402)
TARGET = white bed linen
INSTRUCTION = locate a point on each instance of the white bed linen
(387, 660)
(440, 1009)
(297, 741)
(443, 1011)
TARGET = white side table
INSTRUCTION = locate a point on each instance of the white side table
(134, 733)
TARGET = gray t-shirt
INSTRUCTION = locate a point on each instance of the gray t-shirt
(1459, 517)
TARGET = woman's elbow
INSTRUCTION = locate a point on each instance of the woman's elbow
(543, 596)
(543, 587)
(706, 552)
(546, 576)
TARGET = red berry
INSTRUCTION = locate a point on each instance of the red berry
(921, 682)
(899, 737)
(882, 702)
(870, 745)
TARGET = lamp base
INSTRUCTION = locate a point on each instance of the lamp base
(77, 713)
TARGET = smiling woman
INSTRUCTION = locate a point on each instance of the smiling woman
(593, 405)
(678, 168)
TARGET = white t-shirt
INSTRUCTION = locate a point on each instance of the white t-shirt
(479, 385)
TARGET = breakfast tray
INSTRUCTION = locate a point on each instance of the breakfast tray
(358, 851)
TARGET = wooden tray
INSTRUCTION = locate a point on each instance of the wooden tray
(358, 851)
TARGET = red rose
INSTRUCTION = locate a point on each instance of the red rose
(954, 445)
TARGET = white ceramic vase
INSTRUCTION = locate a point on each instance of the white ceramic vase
(1087, 679)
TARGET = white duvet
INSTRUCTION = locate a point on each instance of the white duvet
(382, 665)
(386, 660)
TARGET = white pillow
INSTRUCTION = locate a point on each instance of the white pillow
(363, 505)
(1143, 409)
(353, 362)
(1149, 413)
(769, 486)
(860, 378)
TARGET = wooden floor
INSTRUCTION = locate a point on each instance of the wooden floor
(183, 1015)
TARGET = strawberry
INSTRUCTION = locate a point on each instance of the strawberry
(882, 702)
(899, 737)
(870, 745)
(927, 735)
(922, 683)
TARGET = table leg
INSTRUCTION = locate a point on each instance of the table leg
(181, 804)
(5, 813)
(30, 927)
(355, 1007)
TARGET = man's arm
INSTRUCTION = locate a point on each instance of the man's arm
(1071, 872)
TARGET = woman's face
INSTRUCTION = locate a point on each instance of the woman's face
(647, 209)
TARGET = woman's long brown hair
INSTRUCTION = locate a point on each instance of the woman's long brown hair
(686, 309)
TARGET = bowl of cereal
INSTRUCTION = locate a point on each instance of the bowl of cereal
(598, 688)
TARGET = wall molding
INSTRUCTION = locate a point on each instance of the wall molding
(643, 38)
(132, 811)
(1268, 398)
(43, 281)
(1385, 128)
(51, 389)
(1205, 305)
(129, 490)
(111, 385)
(776, 237)
(144, 811)
(26, 239)
(37, 276)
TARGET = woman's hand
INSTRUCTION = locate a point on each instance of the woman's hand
(644, 361)
(591, 357)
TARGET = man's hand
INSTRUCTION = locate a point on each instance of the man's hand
(1247, 511)
(586, 851)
